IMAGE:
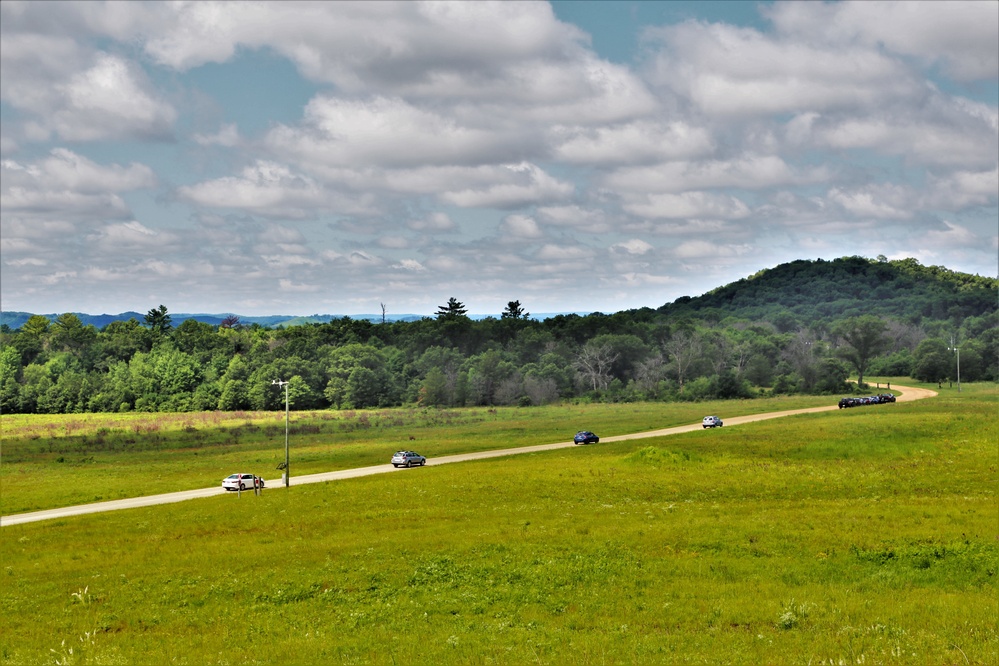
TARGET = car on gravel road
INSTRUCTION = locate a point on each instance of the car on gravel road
(711, 422)
(408, 459)
(241, 481)
(585, 437)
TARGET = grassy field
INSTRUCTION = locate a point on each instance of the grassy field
(65, 460)
(861, 536)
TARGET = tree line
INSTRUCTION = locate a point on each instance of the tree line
(64, 366)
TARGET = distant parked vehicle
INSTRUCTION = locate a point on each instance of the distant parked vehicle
(878, 399)
(711, 422)
(585, 437)
(408, 459)
(241, 481)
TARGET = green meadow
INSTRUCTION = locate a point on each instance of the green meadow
(858, 536)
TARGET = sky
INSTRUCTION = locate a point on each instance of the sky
(343, 158)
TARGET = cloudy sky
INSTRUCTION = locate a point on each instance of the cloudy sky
(331, 157)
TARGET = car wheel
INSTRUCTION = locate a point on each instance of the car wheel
(394, 465)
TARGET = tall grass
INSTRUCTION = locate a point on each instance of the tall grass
(853, 537)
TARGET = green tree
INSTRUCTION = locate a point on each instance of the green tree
(435, 390)
(453, 309)
(932, 361)
(158, 320)
(865, 338)
(10, 369)
(514, 311)
(30, 341)
(120, 341)
(69, 334)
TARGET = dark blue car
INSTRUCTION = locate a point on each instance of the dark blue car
(585, 437)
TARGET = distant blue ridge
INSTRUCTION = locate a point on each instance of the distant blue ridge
(16, 319)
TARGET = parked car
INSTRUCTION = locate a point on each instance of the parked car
(408, 459)
(879, 399)
(711, 422)
(585, 437)
(241, 481)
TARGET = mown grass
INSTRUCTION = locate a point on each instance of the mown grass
(864, 536)
(64, 460)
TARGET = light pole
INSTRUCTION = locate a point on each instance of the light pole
(287, 470)
(955, 348)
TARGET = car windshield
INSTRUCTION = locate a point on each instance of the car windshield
(234, 476)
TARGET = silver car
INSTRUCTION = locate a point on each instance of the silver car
(711, 422)
(408, 459)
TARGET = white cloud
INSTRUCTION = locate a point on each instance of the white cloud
(266, 188)
(69, 185)
(746, 172)
(518, 185)
(635, 142)
(410, 265)
(433, 223)
(520, 226)
(578, 218)
(961, 34)
(880, 201)
(227, 136)
(80, 95)
(634, 246)
(689, 205)
(963, 189)
(730, 71)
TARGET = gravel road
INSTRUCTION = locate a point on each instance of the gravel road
(908, 394)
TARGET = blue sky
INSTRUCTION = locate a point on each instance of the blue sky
(334, 157)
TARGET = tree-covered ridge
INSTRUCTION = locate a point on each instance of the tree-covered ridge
(809, 292)
(689, 350)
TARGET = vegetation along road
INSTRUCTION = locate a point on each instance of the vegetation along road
(908, 394)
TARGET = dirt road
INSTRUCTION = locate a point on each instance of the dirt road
(909, 394)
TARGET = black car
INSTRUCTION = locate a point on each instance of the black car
(585, 437)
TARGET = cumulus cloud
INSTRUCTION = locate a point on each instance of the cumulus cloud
(959, 34)
(71, 185)
(726, 70)
(266, 188)
(433, 223)
(749, 171)
(638, 141)
(515, 185)
(108, 97)
(689, 205)
(520, 226)
(634, 246)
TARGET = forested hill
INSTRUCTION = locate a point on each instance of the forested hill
(810, 292)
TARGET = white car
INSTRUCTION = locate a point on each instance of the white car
(711, 422)
(241, 481)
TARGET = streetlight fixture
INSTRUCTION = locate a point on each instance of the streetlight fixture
(287, 469)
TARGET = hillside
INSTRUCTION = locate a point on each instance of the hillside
(809, 292)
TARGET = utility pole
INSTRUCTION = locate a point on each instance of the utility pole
(955, 348)
(287, 467)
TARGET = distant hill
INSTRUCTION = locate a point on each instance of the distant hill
(808, 292)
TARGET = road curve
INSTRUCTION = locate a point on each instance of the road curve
(910, 394)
